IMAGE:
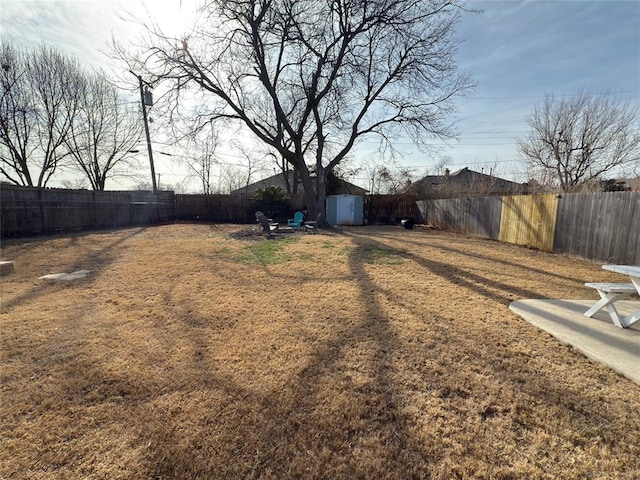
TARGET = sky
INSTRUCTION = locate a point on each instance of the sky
(516, 51)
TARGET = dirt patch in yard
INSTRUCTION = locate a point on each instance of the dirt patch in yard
(200, 351)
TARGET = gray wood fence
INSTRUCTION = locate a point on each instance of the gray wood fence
(30, 211)
(234, 208)
(603, 227)
(471, 216)
(600, 226)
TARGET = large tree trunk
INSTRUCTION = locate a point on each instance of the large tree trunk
(316, 209)
(314, 194)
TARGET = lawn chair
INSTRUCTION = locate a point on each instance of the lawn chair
(296, 223)
(313, 225)
(268, 226)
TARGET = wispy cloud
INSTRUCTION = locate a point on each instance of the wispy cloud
(84, 28)
(535, 47)
(519, 51)
(69, 26)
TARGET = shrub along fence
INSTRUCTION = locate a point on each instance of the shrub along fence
(30, 211)
(604, 227)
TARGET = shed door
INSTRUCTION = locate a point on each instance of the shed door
(346, 206)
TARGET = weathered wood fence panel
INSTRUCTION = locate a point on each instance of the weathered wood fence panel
(32, 211)
(600, 226)
(213, 208)
(236, 208)
(19, 211)
(391, 208)
(472, 216)
(529, 220)
(603, 227)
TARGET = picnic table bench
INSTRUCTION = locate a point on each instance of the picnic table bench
(612, 292)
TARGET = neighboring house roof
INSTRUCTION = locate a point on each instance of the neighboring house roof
(465, 182)
(632, 183)
(278, 180)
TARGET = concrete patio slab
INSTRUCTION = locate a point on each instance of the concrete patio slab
(597, 337)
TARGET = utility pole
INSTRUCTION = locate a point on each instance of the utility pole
(143, 104)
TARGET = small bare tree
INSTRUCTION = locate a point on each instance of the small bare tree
(442, 165)
(577, 139)
(200, 156)
(38, 103)
(388, 178)
(104, 132)
(253, 163)
(231, 178)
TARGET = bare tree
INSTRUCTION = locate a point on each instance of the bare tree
(39, 100)
(387, 177)
(79, 183)
(253, 163)
(104, 132)
(442, 165)
(200, 156)
(17, 117)
(579, 138)
(231, 178)
(311, 78)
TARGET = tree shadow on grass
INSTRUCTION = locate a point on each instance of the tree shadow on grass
(94, 260)
(495, 259)
(491, 289)
(341, 414)
(338, 416)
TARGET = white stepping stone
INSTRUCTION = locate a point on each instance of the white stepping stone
(66, 276)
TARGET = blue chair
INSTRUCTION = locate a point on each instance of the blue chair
(296, 223)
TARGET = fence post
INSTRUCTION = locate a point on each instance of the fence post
(43, 222)
(130, 209)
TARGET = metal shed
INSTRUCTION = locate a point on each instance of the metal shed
(345, 209)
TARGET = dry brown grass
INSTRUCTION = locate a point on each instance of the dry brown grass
(371, 353)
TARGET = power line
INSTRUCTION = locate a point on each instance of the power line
(596, 94)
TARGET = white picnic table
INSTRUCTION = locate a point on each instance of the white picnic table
(611, 292)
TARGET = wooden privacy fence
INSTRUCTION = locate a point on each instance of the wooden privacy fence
(604, 227)
(213, 208)
(472, 216)
(240, 208)
(32, 211)
(236, 208)
(600, 226)
(529, 220)
(390, 208)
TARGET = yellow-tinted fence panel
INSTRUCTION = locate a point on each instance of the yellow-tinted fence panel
(529, 220)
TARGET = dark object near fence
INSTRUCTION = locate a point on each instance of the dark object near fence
(407, 223)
